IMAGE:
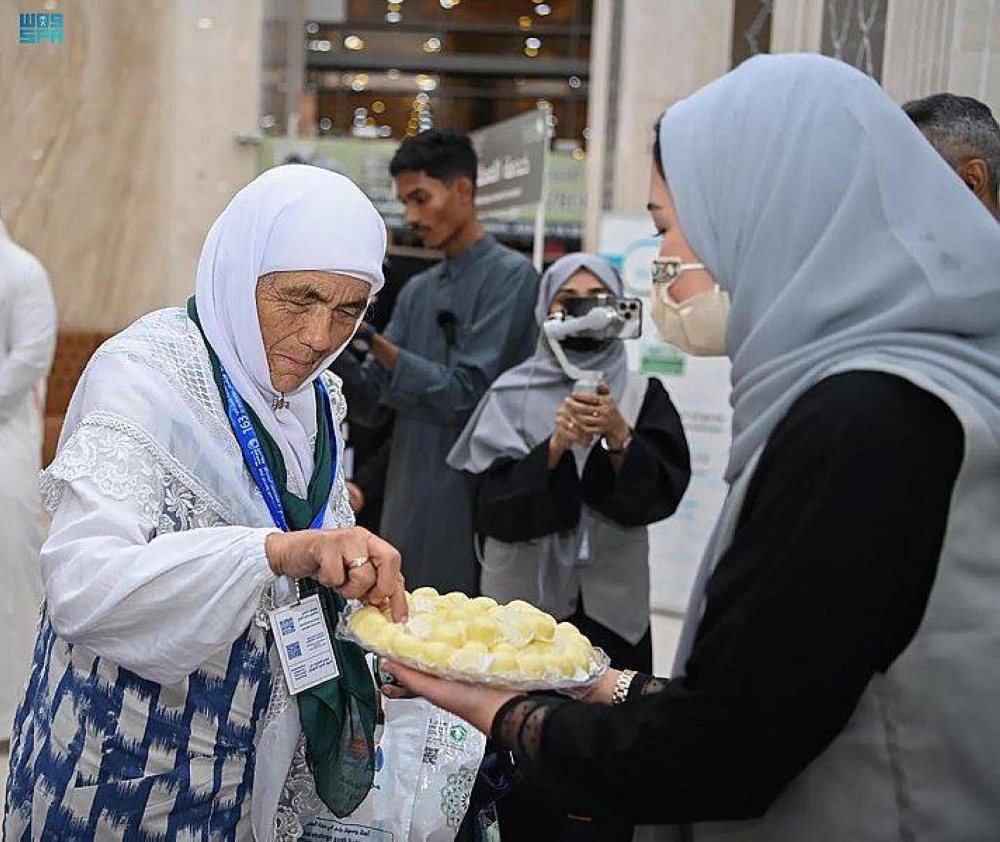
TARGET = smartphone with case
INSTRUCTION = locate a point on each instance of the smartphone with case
(627, 323)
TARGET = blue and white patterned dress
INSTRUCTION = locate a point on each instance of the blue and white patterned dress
(155, 710)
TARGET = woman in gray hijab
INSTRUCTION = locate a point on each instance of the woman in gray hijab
(567, 483)
(837, 675)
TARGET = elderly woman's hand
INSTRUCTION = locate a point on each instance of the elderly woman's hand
(353, 561)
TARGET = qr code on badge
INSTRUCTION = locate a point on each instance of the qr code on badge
(287, 626)
(294, 650)
(430, 756)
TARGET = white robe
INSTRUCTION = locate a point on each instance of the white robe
(155, 559)
(27, 342)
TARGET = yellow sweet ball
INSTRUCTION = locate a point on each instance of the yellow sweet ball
(450, 632)
(503, 662)
(483, 629)
(543, 627)
(406, 646)
(367, 621)
(561, 663)
(484, 603)
(463, 611)
(454, 598)
(421, 626)
(531, 665)
(436, 654)
(471, 658)
(424, 599)
(521, 605)
(384, 637)
(566, 631)
(516, 629)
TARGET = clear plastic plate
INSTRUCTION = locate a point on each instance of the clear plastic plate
(599, 663)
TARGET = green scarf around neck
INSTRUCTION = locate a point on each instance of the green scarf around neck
(337, 716)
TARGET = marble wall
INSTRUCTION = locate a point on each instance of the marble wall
(118, 146)
(656, 53)
(646, 54)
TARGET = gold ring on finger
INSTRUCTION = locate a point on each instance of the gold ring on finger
(355, 563)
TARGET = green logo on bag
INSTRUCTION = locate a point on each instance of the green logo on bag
(459, 733)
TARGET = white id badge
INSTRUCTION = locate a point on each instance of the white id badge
(304, 644)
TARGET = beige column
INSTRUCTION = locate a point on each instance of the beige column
(660, 53)
(797, 26)
(119, 145)
(918, 42)
(975, 51)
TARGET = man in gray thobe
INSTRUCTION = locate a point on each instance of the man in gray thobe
(455, 328)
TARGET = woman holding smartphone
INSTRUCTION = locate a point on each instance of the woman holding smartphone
(567, 482)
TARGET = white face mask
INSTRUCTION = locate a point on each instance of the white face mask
(698, 325)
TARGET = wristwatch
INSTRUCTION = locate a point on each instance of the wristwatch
(617, 450)
(620, 692)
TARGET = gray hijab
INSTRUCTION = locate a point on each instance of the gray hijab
(519, 410)
(840, 234)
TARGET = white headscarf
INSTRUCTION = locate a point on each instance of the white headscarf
(290, 218)
(839, 233)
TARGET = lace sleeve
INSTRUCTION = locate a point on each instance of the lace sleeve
(646, 685)
(123, 463)
(114, 462)
(519, 725)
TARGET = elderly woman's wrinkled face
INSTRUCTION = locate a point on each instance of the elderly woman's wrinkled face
(304, 317)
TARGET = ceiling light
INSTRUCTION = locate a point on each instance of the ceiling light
(354, 43)
(432, 45)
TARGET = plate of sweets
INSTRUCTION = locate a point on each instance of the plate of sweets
(477, 640)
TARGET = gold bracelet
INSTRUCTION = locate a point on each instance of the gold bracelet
(620, 692)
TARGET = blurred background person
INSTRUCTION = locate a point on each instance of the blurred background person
(566, 486)
(966, 134)
(454, 329)
(27, 343)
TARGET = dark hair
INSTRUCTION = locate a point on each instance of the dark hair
(657, 154)
(444, 154)
(959, 127)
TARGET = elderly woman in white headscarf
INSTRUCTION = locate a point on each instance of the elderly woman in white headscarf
(837, 676)
(197, 490)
